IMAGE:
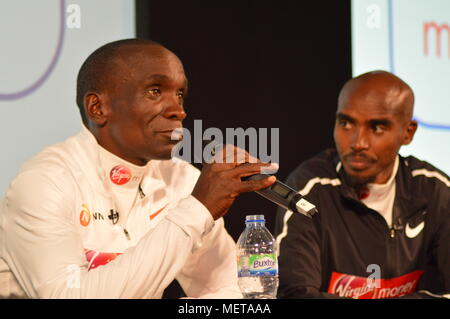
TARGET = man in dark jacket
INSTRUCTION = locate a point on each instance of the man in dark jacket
(383, 228)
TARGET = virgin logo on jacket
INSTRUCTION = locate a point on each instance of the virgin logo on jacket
(345, 285)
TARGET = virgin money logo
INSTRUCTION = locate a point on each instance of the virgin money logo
(350, 286)
(120, 175)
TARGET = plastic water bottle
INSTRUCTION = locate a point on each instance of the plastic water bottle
(257, 260)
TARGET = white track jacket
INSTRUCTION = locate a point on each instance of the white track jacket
(56, 240)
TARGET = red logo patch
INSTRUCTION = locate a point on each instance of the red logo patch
(120, 175)
(356, 287)
(95, 258)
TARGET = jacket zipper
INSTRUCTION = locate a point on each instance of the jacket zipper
(392, 232)
(142, 195)
(392, 248)
(391, 255)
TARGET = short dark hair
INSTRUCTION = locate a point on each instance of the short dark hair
(97, 65)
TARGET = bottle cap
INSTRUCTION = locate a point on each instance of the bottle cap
(254, 218)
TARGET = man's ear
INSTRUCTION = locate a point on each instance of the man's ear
(410, 131)
(96, 108)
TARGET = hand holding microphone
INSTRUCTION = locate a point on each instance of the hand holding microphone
(233, 171)
(221, 179)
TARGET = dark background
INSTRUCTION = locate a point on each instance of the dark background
(262, 64)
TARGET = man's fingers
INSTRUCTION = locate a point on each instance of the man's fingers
(231, 154)
(255, 185)
(249, 169)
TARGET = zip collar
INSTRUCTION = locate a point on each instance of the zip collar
(86, 149)
(407, 203)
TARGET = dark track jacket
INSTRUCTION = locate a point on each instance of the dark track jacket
(348, 249)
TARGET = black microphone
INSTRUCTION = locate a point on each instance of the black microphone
(278, 193)
(284, 196)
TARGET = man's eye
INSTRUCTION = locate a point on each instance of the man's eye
(378, 129)
(154, 92)
(344, 124)
(181, 94)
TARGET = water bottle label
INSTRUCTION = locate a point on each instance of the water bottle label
(258, 265)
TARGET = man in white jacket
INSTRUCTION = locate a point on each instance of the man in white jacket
(107, 213)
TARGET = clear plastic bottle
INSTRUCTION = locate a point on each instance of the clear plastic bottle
(257, 260)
